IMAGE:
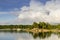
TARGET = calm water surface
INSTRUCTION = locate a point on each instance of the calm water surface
(29, 36)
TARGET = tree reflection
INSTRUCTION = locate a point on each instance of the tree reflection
(41, 34)
(58, 34)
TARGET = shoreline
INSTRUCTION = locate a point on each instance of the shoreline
(34, 30)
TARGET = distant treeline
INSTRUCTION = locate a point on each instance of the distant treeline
(40, 25)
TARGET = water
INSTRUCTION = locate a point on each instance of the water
(29, 36)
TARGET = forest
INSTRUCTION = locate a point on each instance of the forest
(40, 25)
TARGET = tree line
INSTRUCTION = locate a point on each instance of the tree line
(40, 25)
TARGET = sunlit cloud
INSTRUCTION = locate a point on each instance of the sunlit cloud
(50, 12)
(37, 12)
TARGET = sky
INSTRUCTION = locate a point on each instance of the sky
(29, 11)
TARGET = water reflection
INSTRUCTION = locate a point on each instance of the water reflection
(42, 34)
(14, 35)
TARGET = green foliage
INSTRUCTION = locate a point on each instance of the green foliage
(40, 25)
(35, 25)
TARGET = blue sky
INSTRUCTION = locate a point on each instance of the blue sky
(5, 5)
(9, 5)
(11, 10)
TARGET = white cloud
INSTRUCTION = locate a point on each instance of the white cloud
(50, 12)
(36, 12)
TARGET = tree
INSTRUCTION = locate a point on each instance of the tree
(35, 25)
(42, 25)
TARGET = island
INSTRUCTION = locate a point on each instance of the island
(35, 27)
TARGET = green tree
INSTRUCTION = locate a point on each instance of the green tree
(42, 25)
(35, 25)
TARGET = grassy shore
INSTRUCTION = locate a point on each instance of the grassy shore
(36, 30)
